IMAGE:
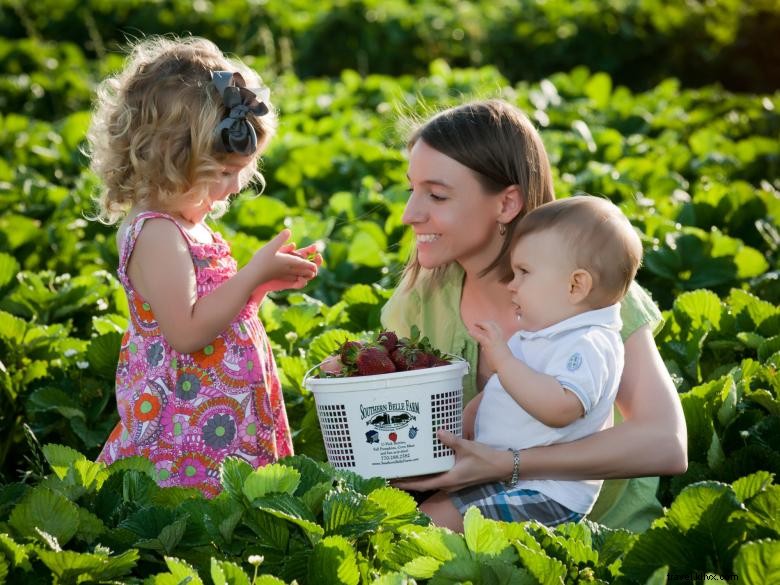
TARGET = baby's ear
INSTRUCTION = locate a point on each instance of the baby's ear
(580, 285)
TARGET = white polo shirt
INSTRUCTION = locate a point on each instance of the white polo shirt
(585, 354)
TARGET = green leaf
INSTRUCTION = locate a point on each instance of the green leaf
(659, 577)
(399, 506)
(547, 570)
(768, 348)
(232, 474)
(333, 562)
(750, 485)
(758, 563)
(72, 567)
(327, 343)
(179, 573)
(598, 89)
(61, 458)
(9, 268)
(148, 522)
(227, 573)
(109, 324)
(365, 250)
(302, 318)
(765, 507)
(16, 553)
(48, 511)
(350, 514)
(293, 510)
(702, 308)
(690, 507)
(12, 329)
(662, 546)
(271, 479)
(423, 567)
(103, 354)
(483, 535)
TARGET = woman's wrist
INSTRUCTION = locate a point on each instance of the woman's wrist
(514, 477)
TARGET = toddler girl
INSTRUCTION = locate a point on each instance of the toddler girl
(173, 135)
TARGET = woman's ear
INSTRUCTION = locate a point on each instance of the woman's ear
(580, 285)
(511, 204)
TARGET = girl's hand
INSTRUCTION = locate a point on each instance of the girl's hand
(475, 463)
(280, 266)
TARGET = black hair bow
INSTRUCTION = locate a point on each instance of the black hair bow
(235, 133)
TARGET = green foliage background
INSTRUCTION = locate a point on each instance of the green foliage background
(669, 109)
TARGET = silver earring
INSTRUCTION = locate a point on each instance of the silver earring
(502, 229)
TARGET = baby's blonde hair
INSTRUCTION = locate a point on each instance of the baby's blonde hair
(152, 137)
(601, 240)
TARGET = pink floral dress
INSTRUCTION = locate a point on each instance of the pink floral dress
(187, 412)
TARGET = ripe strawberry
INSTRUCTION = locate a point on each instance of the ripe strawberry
(388, 339)
(398, 355)
(349, 352)
(373, 360)
(421, 359)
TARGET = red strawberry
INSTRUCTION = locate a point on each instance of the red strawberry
(421, 359)
(388, 339)
(349, 352)
(399, 359)
(393, 437)
(373, 360)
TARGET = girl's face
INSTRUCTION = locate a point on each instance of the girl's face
(453, 218)
(227, 183)
(542, 267)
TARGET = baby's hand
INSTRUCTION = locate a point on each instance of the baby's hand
(487, 333)
(490, 336)
(280, 266)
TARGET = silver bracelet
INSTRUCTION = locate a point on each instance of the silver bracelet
(515, 469)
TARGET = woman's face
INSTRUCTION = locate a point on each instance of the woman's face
(453, 218)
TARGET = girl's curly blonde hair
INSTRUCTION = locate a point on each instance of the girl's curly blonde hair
(152, 136)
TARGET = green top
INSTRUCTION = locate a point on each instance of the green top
(435, 309)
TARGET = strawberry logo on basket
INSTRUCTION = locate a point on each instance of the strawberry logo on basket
(393, 437)
(387, 353)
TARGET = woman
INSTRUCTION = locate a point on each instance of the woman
(474, 171)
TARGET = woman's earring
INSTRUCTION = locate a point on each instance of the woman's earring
(502, 229)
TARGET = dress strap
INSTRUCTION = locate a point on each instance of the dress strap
(131, 236)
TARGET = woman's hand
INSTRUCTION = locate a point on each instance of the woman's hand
(475, 463)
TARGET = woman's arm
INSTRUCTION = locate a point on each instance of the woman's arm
(652, 440)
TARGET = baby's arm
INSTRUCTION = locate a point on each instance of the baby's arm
(161, 270)
(541, 395)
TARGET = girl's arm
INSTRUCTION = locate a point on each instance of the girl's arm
(161, 270)
(652, 439)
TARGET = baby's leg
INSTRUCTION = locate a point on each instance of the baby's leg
(443, 512)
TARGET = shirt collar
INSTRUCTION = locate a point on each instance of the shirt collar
(607, 317)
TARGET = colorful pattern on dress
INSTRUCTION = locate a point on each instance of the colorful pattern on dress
(187, 412)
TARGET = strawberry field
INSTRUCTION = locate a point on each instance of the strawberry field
(680, 128)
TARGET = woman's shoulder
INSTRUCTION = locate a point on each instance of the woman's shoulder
(638, 309)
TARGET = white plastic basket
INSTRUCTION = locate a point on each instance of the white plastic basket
(385, 425)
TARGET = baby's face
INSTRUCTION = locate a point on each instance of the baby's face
(542, 265)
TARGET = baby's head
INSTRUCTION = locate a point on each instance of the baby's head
(581, 253)
(165, 127)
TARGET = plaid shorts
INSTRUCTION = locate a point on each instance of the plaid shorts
(513, 505)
